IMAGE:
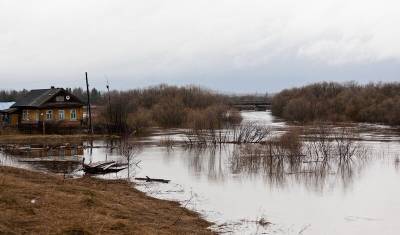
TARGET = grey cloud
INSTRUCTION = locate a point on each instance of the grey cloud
(226, 45)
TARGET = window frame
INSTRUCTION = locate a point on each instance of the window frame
(75, 117)
(61, 117)
(60, 98)
(49, 114)
(25, 115)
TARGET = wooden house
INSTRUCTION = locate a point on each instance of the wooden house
(54, 107)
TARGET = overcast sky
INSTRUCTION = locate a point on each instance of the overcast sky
(226, 45)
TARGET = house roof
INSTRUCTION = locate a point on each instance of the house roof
(36, 98)
(6, 105)
(8, 111)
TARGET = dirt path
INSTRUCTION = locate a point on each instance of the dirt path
(38, 203)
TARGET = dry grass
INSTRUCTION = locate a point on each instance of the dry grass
(37, 203)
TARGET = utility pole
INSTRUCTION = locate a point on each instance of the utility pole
(88, 104)
(109, 107)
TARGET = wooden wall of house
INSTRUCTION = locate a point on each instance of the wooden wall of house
(34, 115)
(55, 125)
(79, 113)
(14, 119)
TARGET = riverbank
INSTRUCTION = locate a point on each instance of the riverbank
(36, 138)
(38, 203)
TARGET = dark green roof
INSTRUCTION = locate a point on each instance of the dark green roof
(36, 98)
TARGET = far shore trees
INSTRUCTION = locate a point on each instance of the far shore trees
(330, 101)
(164, 106)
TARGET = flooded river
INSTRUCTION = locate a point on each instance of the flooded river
(362, 199)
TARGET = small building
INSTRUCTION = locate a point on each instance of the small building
(54, 107)
(6, 113)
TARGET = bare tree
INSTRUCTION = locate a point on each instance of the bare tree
(129, 150)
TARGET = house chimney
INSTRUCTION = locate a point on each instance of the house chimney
(52, 87)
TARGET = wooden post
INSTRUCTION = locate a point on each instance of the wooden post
(88, 104)
(43, 124)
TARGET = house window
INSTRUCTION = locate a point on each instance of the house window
(73, 151)
(73, 114)
(60, 98)
(61, 115)
(25, 115)
(49, 114)
(6, 119)
(37, 115)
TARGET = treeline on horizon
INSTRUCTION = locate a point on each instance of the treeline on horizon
(100, 97)
(338, 102)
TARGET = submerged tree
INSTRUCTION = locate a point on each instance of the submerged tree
(129, 150)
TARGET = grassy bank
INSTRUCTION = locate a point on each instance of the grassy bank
(37, 203)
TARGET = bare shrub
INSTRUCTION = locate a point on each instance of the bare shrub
(130, 150)
(271, 156)
(195, 138)
(211, 126)
(347, 145)
(321, 144)
(250, 132)
(328, 150)
(341, 143)
(289, 144)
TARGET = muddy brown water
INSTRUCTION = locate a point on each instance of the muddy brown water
(361, 198)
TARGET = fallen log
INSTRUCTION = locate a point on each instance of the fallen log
(148, 179)
(96, 170)
(103, 167)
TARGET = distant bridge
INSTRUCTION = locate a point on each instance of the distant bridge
(257, 105)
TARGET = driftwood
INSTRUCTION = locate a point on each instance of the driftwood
(103, 167)
(148, 179)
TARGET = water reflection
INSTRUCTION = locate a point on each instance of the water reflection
(55, 158)
(207, 161)
(279, 172)
(324, 158)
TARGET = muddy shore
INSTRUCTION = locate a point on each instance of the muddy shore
(38, 203)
